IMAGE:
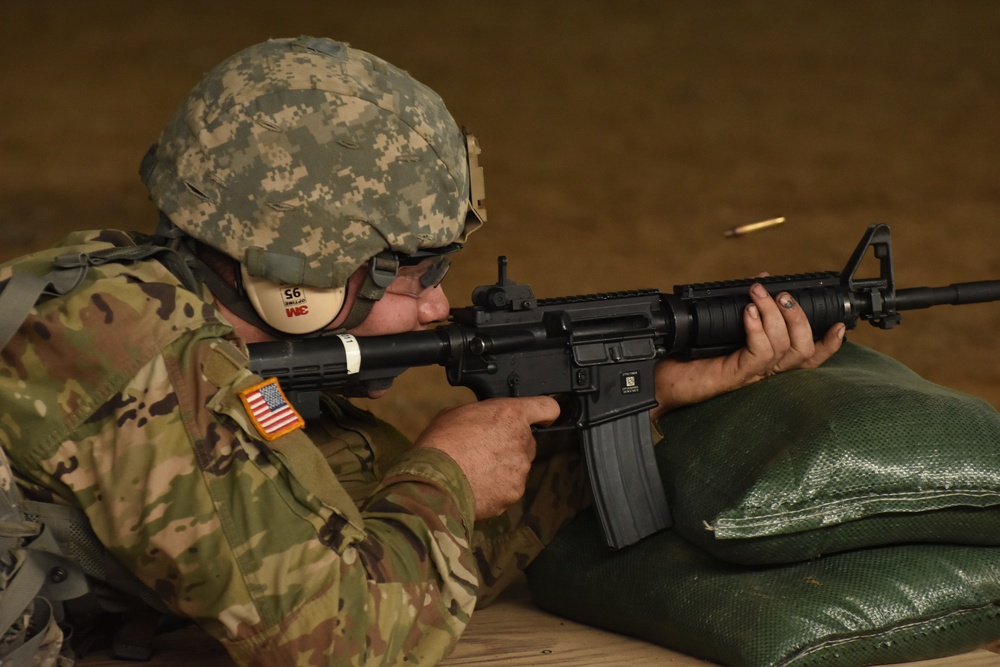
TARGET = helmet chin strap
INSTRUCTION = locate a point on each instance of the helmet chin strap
(382, 270)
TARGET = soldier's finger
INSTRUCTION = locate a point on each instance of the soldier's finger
(772, 320)
(799, 330)
(755, 358)
(535, 409)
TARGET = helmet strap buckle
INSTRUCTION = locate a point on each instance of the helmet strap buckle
(383, 268)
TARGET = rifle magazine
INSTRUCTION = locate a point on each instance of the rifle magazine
(628, 492)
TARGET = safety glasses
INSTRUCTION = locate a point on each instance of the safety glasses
(413, 277)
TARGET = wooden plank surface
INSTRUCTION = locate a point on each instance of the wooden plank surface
(514, 632)
(511, 632)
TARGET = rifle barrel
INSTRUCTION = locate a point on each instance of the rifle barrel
(956, 294)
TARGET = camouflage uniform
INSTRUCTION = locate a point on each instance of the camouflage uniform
(121, 398)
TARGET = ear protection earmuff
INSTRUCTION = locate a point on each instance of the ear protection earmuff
(293, 309)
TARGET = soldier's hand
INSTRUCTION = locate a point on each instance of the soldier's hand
(779, 338)
(493, 444)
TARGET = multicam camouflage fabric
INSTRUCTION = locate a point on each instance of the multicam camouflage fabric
(303, 158)
(121, 399)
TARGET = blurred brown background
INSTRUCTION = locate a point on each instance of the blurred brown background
(620, 139)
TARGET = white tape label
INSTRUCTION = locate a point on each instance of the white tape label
(352, 353)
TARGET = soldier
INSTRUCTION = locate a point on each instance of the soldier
(304, 187)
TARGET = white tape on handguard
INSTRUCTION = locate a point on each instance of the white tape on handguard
(352, 353)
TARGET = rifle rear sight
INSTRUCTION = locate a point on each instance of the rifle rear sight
(505, 293)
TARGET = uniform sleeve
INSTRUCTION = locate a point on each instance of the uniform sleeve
(257, 541)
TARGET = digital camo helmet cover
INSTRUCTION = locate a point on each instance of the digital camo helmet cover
(303, 158)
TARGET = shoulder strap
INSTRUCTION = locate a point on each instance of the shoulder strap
(23, 290)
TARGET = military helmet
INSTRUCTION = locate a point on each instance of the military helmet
(304, 158)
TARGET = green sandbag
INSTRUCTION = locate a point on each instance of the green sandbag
(874, 606)
(860, 452)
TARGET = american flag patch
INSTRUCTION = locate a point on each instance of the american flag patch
(269, 410)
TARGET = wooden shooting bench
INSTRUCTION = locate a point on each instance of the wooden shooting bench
(510, 632)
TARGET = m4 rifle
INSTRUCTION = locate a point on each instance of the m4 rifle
(597, 353)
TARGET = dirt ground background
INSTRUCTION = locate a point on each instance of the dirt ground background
(620, 139)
